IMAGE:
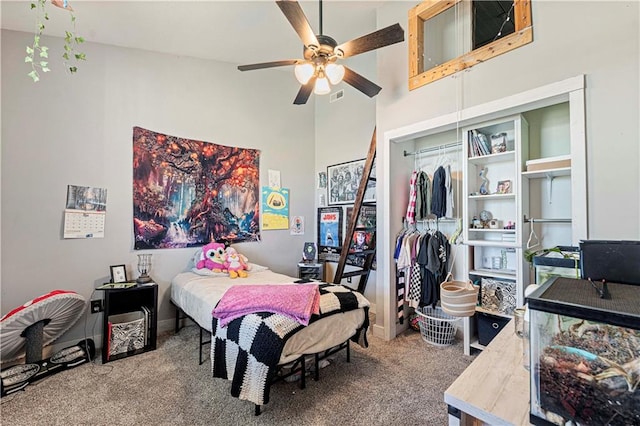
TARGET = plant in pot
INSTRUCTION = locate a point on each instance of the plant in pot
(38, 54)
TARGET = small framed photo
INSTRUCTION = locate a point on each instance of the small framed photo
(504, 187)
(118, 274)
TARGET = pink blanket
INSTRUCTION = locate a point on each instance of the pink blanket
(296, 301)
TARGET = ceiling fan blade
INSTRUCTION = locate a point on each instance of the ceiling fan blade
(268, 65)
(305, 92)
(364, 85)
(299, 22)
(377, 39)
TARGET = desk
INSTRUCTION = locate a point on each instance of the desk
(494, 389)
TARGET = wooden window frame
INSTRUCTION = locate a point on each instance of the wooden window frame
(426, 10)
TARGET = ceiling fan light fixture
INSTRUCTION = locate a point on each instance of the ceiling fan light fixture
(335, 73)
(322, 86)
(304, 72)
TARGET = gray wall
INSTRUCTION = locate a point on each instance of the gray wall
(77, 129)
(598, 39)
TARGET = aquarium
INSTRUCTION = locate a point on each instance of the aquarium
(559, 261)
(585, 353)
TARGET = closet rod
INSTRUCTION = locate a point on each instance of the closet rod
(532, 220)
(434, 148)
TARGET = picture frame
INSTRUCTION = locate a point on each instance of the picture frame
(118, 273)
(329, 233)
(343, 181)
(504, 187)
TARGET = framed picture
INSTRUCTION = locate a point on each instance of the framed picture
(504, 187)
(118, 274)
(343, 181)
(329, 233)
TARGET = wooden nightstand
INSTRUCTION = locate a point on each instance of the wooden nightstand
(131, 313)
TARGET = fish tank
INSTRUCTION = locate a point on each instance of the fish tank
(584, 353)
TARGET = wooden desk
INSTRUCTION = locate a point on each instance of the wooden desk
(494, 389)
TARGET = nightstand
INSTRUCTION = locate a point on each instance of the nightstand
(129, 321)
(311, 270)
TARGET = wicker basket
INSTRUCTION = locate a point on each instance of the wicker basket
(458, 298)
(436, 327)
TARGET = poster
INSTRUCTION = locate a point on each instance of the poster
(187, 193)
(363, 237)
(297, 225)
(275, 208)
(329, 233)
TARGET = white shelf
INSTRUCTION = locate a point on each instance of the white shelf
(494, 313)
(550, 173)
(492, 243)
(474, 344)
(493, 196)
(493, 273)
(502, 231)
(493, 158)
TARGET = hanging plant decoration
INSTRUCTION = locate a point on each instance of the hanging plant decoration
(38, 55)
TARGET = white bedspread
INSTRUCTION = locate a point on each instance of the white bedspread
(197, 295)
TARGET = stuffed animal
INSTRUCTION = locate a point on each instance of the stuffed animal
(235, 263)
(212, 257)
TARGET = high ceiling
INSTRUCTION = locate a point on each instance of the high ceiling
(238, 32)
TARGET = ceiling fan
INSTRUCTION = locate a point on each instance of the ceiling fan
(319, 67)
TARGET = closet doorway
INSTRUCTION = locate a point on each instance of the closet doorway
(395, 168)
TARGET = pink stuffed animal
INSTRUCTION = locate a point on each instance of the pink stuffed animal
(235, 263)
(212, 257)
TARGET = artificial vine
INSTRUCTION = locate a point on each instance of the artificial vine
(38, 54)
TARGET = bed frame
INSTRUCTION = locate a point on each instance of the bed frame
(297, 366)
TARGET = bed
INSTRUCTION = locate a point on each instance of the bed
(195, 296)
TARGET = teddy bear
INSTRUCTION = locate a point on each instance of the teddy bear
(235, 263)
(212, 257)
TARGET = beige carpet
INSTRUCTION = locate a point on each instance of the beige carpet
(397, 382)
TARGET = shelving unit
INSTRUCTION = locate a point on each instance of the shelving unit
(127, 301)
(492, 216)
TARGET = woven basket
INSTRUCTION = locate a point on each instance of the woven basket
(458, 298)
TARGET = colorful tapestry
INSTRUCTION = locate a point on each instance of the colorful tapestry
(188, 193)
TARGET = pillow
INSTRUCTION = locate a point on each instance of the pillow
(209, 273)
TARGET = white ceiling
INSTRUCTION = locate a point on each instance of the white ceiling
(239, 32)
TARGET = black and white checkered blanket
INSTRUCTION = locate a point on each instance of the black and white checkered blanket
(248, 349)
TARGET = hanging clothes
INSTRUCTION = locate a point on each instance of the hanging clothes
(449, 192)
(411, 207)
(439, 193)
(423, 196)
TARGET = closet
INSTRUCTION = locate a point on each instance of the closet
(434, 164)
(535, 195)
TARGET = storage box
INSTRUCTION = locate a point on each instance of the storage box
(585, 353)
(554, 264)
(489, 326)
(498, 295)
(549, 163)
(616, 261)
(127, 332)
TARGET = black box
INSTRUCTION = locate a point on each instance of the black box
(613, 261)
(489, 326)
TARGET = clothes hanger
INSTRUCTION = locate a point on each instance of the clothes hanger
(533, 240)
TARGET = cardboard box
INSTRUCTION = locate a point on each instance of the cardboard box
(549, 163)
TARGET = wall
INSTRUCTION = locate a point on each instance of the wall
(344, 128)
(77, 129)
(598, 39)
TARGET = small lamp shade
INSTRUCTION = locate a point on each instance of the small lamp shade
(304, 72)
(335, 73)
(322, 86)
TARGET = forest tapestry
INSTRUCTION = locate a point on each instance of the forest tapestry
(187, 193)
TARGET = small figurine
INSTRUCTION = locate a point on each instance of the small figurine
(484, 186)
